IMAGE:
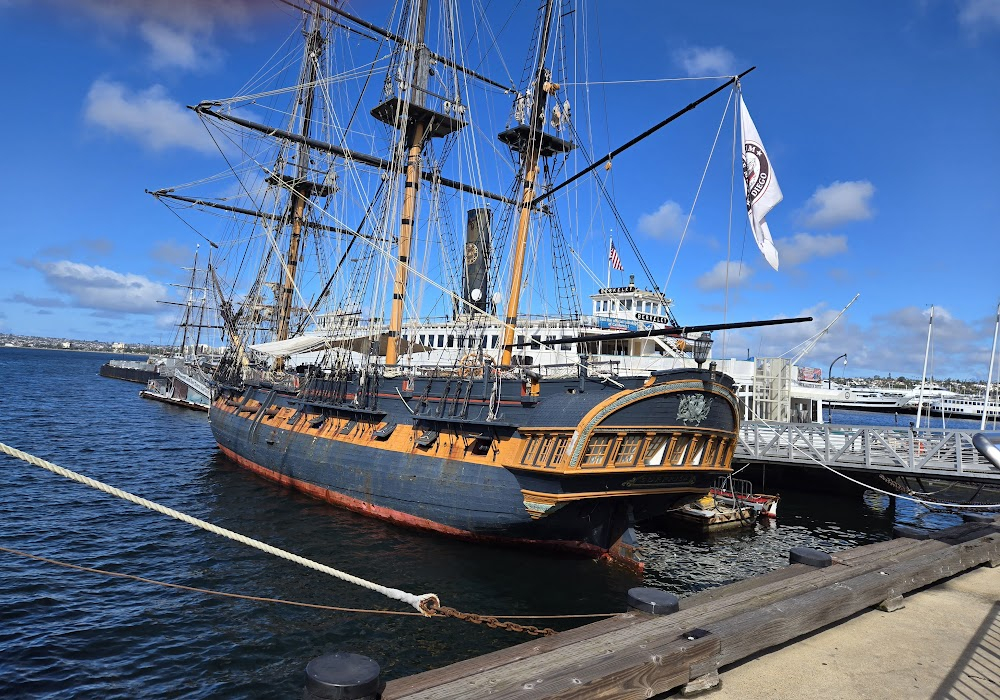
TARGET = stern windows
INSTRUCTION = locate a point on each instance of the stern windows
(631, 451)
(597, 451)
(653, 456)
(679, 449)
(626, 450)
(708, 458)
(560, 449)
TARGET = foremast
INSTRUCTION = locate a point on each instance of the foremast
(300, 187)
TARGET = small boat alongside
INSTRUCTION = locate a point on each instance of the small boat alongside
(730, 504)
(740, 491)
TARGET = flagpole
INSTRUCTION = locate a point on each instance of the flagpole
(989, 377)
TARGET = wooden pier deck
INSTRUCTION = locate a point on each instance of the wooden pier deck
(639, 655)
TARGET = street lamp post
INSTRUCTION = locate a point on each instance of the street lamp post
(829, 375)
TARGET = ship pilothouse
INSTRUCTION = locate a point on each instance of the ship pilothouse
(632, 309)
(614, 309)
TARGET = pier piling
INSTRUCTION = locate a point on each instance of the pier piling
(343, 676)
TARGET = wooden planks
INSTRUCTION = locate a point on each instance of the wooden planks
(635, 655)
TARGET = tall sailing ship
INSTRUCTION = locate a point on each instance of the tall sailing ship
(183, 377)
(409, 341)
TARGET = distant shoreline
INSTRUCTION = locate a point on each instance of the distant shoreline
(94, 352)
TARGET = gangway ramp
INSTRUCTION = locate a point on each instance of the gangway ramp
(893, 451)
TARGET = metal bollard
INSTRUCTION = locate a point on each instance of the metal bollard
(653, 600)
(343, 676)
(810, 557)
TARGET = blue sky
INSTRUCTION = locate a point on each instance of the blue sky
(880, 119)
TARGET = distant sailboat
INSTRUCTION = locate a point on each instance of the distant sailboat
(184, 377)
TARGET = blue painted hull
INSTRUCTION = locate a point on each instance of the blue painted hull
(458, 497)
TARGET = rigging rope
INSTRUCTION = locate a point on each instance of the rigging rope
(263, 599)
(423, 603)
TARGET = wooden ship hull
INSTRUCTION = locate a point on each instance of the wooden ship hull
(568, 464)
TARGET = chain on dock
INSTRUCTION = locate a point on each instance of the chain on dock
(488, 620)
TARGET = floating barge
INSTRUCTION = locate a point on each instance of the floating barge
(138, 371)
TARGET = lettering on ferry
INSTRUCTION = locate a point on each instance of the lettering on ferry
(652, 317)
(616, 290)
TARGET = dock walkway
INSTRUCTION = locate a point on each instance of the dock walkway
(639, 655)
(945, 643)
(893, 451)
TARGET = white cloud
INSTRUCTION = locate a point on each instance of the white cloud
(892, 342)
(979, 16)
(667, 221)
(178, 32)
(804, 246)
(148, 116)
(840, 203)
(102, 289)
(700, 62)
(724, 272)
(175, 47)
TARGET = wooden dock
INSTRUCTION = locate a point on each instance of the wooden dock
(639, 655)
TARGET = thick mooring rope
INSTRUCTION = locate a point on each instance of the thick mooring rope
(424, 603)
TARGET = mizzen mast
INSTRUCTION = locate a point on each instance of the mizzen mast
(531, 141)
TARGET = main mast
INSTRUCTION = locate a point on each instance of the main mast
(533, 143)
(409, 113)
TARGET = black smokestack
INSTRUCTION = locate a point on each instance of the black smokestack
(475, 271)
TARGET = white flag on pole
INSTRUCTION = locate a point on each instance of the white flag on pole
(760, 185)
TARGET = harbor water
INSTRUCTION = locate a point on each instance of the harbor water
(67, 633)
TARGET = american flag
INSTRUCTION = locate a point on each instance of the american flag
(616, 262)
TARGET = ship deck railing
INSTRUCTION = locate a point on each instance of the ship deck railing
(903, 451)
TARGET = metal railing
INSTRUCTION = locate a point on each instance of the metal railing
(949, 454)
